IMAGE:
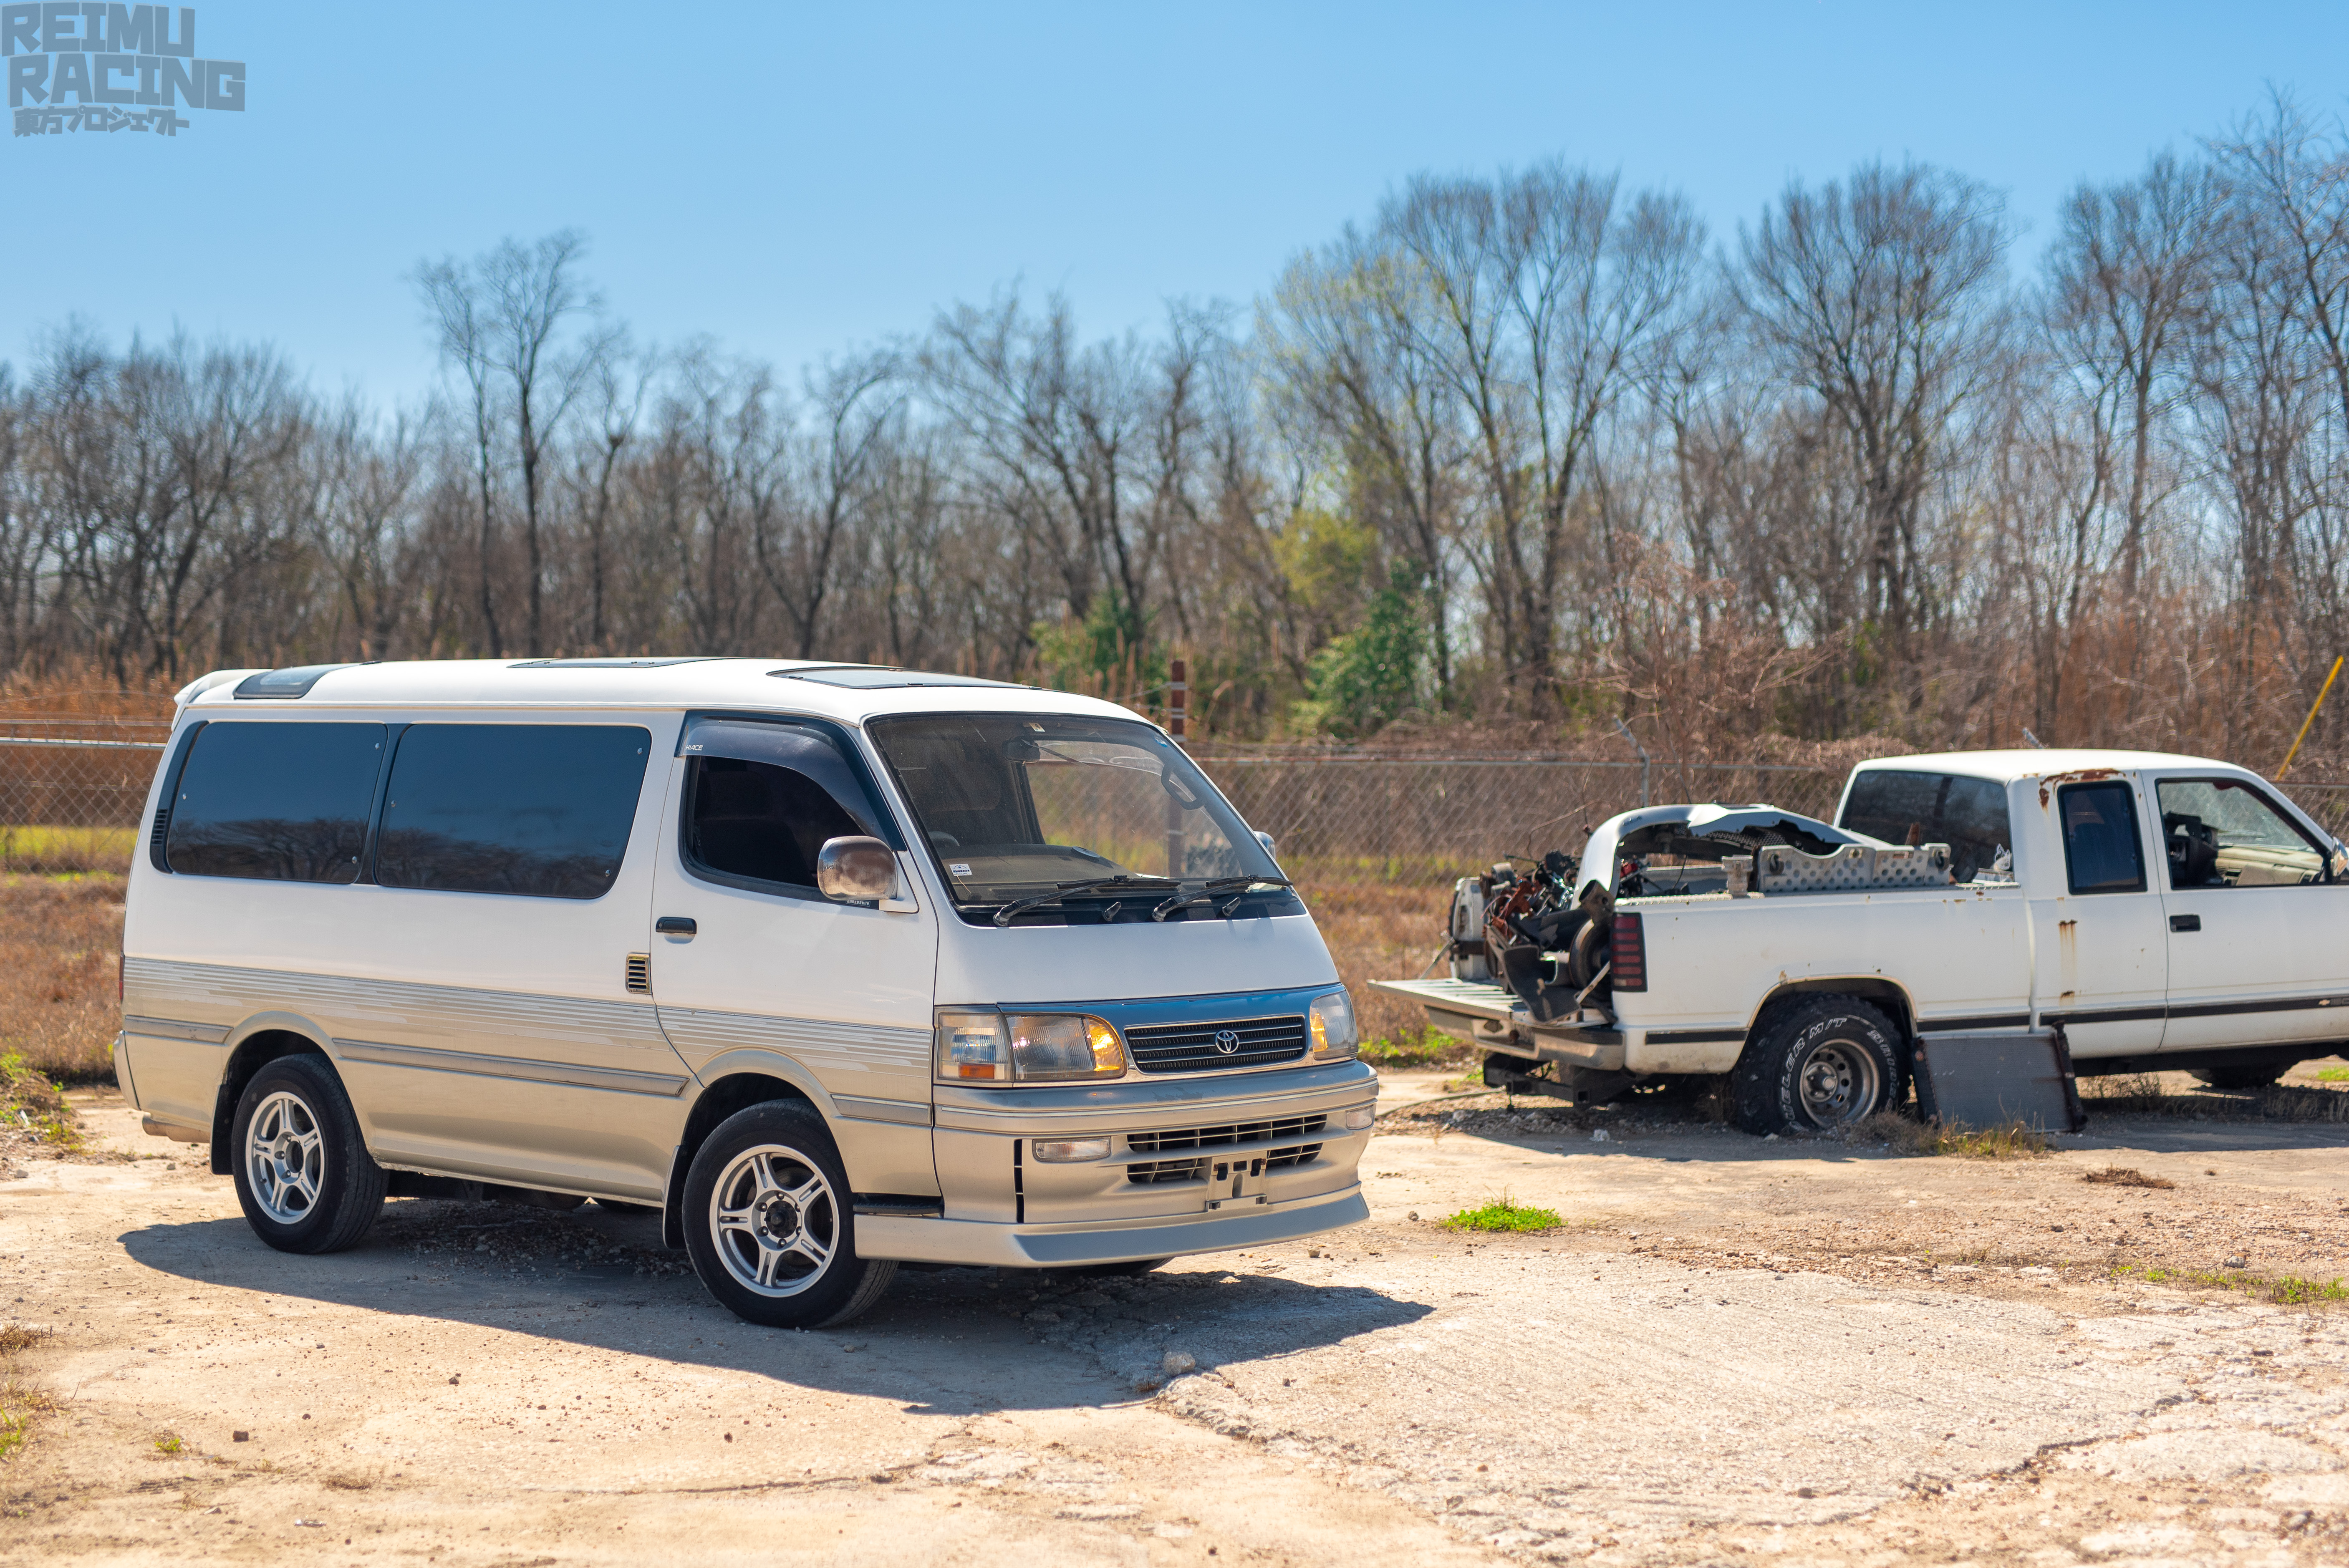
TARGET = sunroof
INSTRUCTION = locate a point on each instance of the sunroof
(611, 664)
(293, 682)
(876, 679)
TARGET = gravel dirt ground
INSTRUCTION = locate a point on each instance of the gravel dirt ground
(1821, 1352)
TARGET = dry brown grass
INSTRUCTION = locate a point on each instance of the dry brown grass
(2126, 1176)
(2015, 1141)
(60, 941)
(1381, 933)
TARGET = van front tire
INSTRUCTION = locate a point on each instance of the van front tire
(1818, 1065)
(304, 1177)
(771, 1225)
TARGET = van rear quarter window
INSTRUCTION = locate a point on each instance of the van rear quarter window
(538, 809)
(278, 803)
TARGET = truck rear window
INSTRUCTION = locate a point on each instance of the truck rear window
(277, 802)
(1904, 807)
(539, 809)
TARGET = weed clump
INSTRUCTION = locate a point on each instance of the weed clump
(2013, 1140)
(1504, 1213)
(31, 1103)
(2125, 1176)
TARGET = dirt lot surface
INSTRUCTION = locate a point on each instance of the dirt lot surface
(1808, 1351)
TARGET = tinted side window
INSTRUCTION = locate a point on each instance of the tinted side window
(2100, 842)
(539, 809)
(761, 798)
(282, 802)
(1902, 807)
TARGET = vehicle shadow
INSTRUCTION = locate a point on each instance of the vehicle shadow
(949, 1341)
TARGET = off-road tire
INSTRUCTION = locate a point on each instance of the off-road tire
(799, 1158)
(301, 1097)
(2248, 1077)
(1817, 1064)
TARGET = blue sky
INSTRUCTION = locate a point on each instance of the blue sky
(795, 180)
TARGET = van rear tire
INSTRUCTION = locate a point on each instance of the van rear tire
(304, 1177)
(1819, 1064)
(771, 1223)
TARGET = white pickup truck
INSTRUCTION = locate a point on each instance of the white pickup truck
(2168, 912)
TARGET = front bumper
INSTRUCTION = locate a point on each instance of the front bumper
(979, 1244)
(1183, 1152)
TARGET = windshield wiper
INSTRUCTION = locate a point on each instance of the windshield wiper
(1238, 887)
(1019, 906)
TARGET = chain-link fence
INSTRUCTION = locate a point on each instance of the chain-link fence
(71, 791)
(1373, 842)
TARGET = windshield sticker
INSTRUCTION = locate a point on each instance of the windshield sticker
(960, 868)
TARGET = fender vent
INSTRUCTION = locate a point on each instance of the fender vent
(640, 974)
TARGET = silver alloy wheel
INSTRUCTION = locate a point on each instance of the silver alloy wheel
(1838, 1082)
(284, 1156)
(775, 1220)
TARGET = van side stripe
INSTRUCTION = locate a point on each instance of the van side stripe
(663, 1084)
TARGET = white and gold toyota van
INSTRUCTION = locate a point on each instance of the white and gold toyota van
(839, 965)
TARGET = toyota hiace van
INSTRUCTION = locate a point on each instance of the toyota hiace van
(838, 965)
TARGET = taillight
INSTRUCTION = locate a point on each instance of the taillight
(1630, 955)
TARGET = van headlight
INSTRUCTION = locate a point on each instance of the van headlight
(1331, 1020)
(1026, 1047)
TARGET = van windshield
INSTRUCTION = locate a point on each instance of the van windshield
(1013, 805)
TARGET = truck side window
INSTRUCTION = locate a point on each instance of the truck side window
(761, 798)
(2100, 840)
(1902, 806)
(539, 809)
(2220, 832)
(279, 802)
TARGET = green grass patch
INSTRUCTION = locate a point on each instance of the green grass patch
(38, 848)
(1504, 1213)
(35, 1103)
(2333, 1075)
(1429, 1047)
(2284, 1290)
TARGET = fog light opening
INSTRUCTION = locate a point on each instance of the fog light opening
(1069, 1150)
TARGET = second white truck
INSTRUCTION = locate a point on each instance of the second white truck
(2167, 913)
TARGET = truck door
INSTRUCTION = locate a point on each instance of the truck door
(748, 957)
(2102, 945)
(2255, 920)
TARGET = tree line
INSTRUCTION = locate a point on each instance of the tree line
(1533, 447)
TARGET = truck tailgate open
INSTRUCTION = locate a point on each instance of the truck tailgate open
(1492, 1016)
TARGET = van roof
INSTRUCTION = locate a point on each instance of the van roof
(2007, 766)
(848, 693)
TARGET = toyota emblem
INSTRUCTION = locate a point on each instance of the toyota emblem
(1227, 1041)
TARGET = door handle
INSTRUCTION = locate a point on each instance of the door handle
(676, 926)
(2185, 922)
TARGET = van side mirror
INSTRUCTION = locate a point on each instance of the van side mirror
(1266, 840)
(855, 869)
(2338, 862)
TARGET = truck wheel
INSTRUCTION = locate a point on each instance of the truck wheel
(770, 1224)
(1823, 1063)
(304, 1176)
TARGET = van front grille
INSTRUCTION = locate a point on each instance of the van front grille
(1201, 1047)
(1166, 1143)
(1153, 1173)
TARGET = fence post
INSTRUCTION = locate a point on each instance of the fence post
(1643, 759)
